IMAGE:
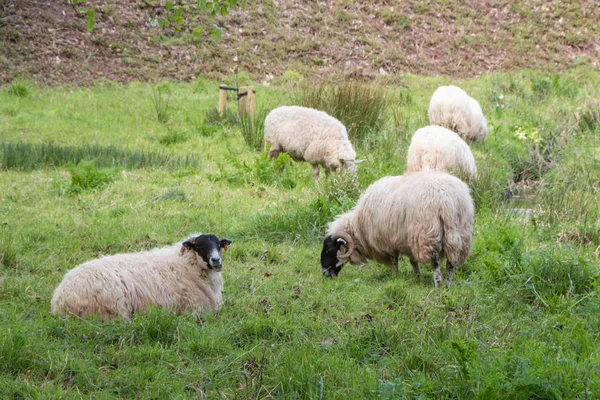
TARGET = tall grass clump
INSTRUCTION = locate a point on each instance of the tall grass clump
(19, 89)
(359, 106)
(555, 273)
(161, 105)
(8, 253)
(27, 157)
(172, 137)
(253, 130)
(588, 117)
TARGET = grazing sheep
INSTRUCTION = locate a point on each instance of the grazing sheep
(309, 135)
(179, 277)
(423, 215)
(452, 108)
(440, 149)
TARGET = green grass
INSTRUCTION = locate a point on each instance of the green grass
(84, 174)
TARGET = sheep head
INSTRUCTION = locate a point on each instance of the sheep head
(208, 247)
(336, 251)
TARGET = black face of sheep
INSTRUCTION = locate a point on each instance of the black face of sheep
(209, 248)
(330, 262)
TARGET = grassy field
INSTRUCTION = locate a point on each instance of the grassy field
(108, 169)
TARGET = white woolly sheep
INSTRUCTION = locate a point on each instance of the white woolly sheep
(423, 215)
(178, 277)
(452, 108)
(309, 135)
(440, 149)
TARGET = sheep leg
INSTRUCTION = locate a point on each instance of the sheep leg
(316, 171)
(274, 153)
(415, 266)
(435, 266)
(449, 272)
(395, 267)
(326, 172)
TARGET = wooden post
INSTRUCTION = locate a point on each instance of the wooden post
(247, 101)
(222, 100)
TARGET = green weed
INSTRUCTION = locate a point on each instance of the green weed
(85, 176)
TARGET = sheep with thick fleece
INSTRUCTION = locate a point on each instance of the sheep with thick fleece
(440, 149)
(423, 215)
(309, 135)
(452, 108)
(178, 277)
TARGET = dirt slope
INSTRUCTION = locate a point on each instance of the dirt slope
(46, 40)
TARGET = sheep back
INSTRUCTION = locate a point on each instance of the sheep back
(308, 135)
(419, 215)
(123, 284)
(452, 108)
(438, 148)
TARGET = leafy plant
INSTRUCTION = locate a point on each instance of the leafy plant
(85, 176)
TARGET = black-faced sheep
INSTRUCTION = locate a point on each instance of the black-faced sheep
(178, 277)
(440, 149)
(452, 108)
(309, 135)
(423, 215)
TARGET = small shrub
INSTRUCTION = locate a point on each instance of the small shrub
(85, 176)
(253, 130)
(161, 104)
(172, 137)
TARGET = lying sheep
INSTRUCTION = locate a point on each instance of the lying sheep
(423, 215)
(452, 108)
(309, 135)
(438, 148)
(179, 277)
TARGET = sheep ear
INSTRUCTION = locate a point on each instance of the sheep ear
(188, 245)
(224, 243)
(359, 161)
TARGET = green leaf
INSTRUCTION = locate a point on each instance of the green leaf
(169, 5)
(202, 5)
(197, 32)
(90, 17)
(216, 33)
(223, 10)
(232, 3)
